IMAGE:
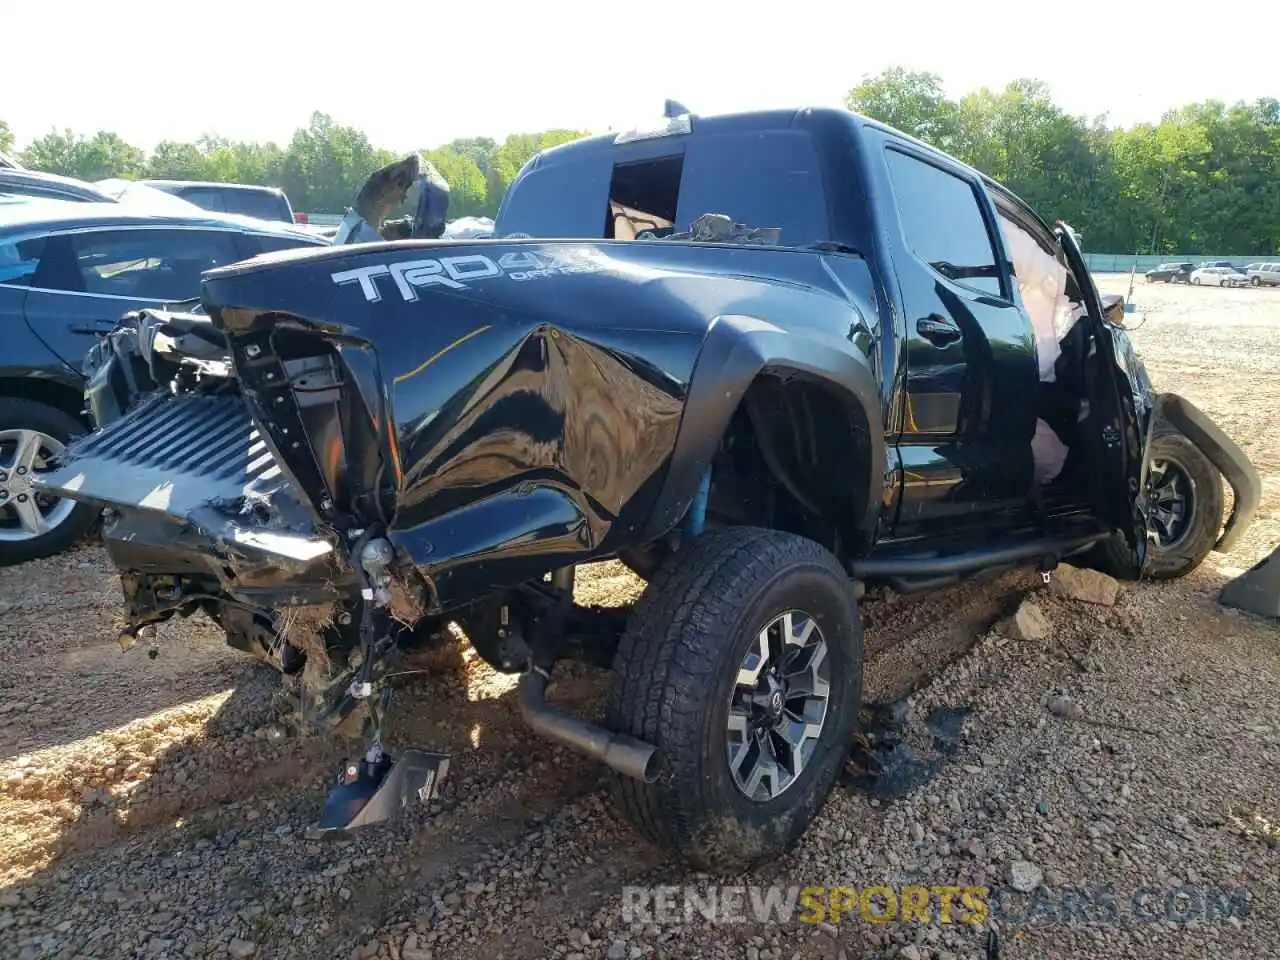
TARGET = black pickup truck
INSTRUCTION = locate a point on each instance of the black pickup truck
(763, 359)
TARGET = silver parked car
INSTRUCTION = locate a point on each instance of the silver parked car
(1263, 274)
(1218, 277)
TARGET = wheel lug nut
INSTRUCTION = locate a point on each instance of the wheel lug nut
(22, 498)
(22, 471)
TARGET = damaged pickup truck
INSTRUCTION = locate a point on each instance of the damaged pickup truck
(764, 359)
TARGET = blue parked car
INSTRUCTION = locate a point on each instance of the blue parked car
(68, 272)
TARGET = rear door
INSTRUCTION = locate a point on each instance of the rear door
(966, 413)
(86, 281)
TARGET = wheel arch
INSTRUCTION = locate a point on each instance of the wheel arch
(743, 365)
(54, 393)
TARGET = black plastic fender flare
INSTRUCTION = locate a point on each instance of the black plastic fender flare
(1257, 590)
(1231, 461)
(734, 352)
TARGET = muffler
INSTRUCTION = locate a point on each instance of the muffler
(629, 756)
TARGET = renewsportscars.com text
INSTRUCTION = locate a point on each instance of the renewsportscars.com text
(933, 903)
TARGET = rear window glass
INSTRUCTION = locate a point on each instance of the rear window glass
(768, 182)
(250, 203)
(204, 198)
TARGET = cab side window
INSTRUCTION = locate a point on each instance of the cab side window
(943, 223)
(20, 261)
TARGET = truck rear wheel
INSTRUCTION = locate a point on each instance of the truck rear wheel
(742, 663)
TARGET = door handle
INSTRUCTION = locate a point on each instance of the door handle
(938, 330)
(98, 326)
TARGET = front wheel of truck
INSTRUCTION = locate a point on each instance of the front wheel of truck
(742, 664)
(1184, 510)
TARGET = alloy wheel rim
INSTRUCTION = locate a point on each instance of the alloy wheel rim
(1170, 498)
(26, 513)
(778, 706)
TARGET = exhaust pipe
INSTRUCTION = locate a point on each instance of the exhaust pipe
(625, 754)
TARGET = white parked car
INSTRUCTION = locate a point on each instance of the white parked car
(1218, 277)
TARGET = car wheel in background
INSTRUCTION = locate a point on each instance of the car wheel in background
(33, 524)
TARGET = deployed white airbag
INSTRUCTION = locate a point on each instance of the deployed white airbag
(1042, 282)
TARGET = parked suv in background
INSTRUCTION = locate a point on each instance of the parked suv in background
(1263, 274)
(1170, 273)
(68, 272)
(249, 200)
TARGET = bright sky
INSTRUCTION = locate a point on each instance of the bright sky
(410, 75)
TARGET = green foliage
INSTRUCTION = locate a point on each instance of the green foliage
(96, 158)
(326, 163)
(515, 152)
(1205, 179)
(1202, 180)
(468, 189)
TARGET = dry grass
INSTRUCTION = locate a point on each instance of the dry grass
(303, 627)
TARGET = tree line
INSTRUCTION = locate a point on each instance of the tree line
(321, 167)
(1204, 179)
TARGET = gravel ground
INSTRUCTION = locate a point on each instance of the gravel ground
(151, 807)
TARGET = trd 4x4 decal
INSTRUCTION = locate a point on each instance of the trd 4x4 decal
(458, 272)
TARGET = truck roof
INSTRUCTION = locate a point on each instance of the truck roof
(775, 119)
(817, 118)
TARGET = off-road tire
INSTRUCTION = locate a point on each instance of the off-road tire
(676, 668)
(31, 415)
(1177, 559)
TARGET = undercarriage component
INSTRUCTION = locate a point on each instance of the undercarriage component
(379, 787)
(539, 623)
(627, 755)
